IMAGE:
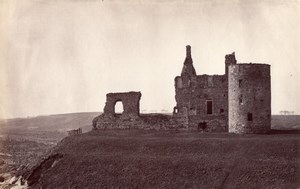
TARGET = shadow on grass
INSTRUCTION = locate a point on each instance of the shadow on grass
(278, 132)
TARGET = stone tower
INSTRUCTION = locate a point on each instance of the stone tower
(249, 98)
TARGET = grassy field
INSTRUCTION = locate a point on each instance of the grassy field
(151, 159)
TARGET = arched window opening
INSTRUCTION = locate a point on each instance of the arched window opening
(240, 83)
(119, 109)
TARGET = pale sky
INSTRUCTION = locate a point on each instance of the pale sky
(63, 56)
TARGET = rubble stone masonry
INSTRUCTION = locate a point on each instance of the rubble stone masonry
(238, 101)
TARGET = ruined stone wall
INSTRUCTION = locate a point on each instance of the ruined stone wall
(130, 101)
(192, 96)
(249, 98)
(144, 121)
(238, 101)
(129, 117)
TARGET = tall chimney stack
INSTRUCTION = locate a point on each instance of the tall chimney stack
(188, 51)
(188, 68)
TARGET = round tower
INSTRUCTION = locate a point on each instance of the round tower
(249, 98)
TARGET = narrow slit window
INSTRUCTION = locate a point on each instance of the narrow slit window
(209, 107)
(250, 117)
(240, 83)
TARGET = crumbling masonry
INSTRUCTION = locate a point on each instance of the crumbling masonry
(130, 118)
(109, 119)
(238, 101)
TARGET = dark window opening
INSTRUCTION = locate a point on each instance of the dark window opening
(202, 126)
(241, 99)
(261, 100)
(240, 82)
(250, 117)
(209, 107)
(221, 110)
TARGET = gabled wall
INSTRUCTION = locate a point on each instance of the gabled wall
(194, 92)
(193, 98)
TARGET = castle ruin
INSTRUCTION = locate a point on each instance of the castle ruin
(238, 101)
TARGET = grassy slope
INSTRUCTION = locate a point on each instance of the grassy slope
(46, 129)
(16, 154)
(59, 122)
(148, 159)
